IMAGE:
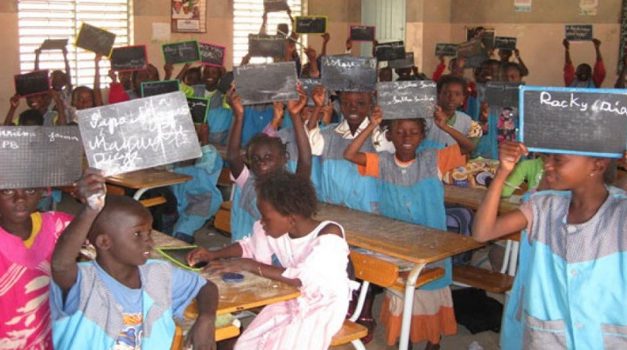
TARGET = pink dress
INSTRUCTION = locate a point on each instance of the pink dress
(24, 281)
(311, 320)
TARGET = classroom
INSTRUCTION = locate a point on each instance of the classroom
(313, 174)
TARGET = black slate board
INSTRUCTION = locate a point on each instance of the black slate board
(129, 58)
(474, 52)
(407, 62)
(348, 73)
(95, 39)
(38, 156)
(505, 43)
(53, 44)
(502, 94)
(446, 49)
(394, 50)
(308, 86)
(265, 83)
(311, 24)
(362, 33)
(407, 99)
(275, 5)
(579, 32)
(181, 52)
(266, 45)
(139, 134)
(575, 121)
(212, 55)
(198, 109)
(32, 83)
(159, 87)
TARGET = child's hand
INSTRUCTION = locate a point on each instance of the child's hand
(236, 103)
(318, 95)
(460, 62)
(55, 96)
(91, 189)
(517, 53)
(296, 106)
(349, 44)
(199, 255)
(15, 101)
(202, 334)
(440, 118)
(484, 112)
(441, 58)
(326, 37)
(279, 110)
(566, 44)
(98, 57)
(510, 153)
(202, 130)
(596, 42)
(311, 54)
(377, 116)
(168, 68)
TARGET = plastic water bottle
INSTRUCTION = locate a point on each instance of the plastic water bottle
(475, 346)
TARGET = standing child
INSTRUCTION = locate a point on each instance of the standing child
(570, 289)
(313, 256)
(412, 191)
(121, 300)
(584, 76)
(219, 115)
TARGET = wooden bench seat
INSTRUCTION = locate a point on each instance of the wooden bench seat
(350, 331)
(487, 280)
(222, 220)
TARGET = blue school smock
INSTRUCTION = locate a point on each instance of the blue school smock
(256, 118)
(288, 137)
(488, 146)
(219, 116)
(244, 210)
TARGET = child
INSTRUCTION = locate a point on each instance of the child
(314, 256)
(219, 115)
(266, 155)
(584, 76)
(27, 238)
(505, 56)
(512, 72)
(121, 300)
(412, 191)
(60, 81)
(84, 97)
(569, 291)
(117, 92)
(41, 110)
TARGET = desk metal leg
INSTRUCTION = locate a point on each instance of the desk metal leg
(139, 193)
(408, 303)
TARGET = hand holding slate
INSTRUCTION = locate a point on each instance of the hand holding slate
(91, 189)
(510, 153)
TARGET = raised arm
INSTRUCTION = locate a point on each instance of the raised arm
(97, 91)
(317, 95)
(569, 69)
(352, 153)
(465, 143)
(58, 101)
(524, 71)
(620, 82)
(233, 151)
(37, 54)
(184, 70)
(598, 73)
(68, 75)
(168, 68)
(325, 41)
(262, 29)
(278, 112)
(303, 166)
(314, 72)
(14, 103)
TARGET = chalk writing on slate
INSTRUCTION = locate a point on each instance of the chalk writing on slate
(445, 49)
(38, 156)
(407, 99)
(139, 134)
(53, 44)
(181, 52)
(362, 33)
(505, 43)
(198, 109)
(390, 51)
(348, 73)
(309, 85)
(575, 121)
(275, 5)
(264, 83)
(95, 39)
(502, 94)
(311, 24)
(579, 32)
(266, 45)
(211, 55)
(406, 62)
(129, 58)
(474, 52)
(32, 83)
(159, 87)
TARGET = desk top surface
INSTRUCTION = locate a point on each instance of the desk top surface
(472, 197)
(148, 178)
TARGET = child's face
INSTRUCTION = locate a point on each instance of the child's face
(192, 78)
(130, 237)
(140, 77)
(565, 171)
(487, 72)
(406, 135)
(16, 205)
(273, 222)
(505, 55)
(356, 106)
(512, 75)
(125, 79)
(211, 77)
(39, 102)
(404, 73)
(583, 72)
(451, 97)
(265, 159)
(59, 79)
(84, 100)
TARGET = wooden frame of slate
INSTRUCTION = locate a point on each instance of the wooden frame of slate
(275, 5)
(310, 24)
(505, 43)
(198, 108)
(38, 156)
(53, 44)
(181, 52)
(407, 99)
(348, 73)
(589, 122)
(139, 134)
(446, 49)
(211, 54)
(578, 32)
(266, 45)
(95, 39)
(394, 50)
(129, 58)
(32, 83)
(362, 33)
(159, 87)
(265, 83)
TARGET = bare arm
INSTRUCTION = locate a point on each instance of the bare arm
(318, 96)
(523, 68)
(352, 153)
(233, 151)
(278, 113)
(97, 91)
(15, 102)
(68, 75)
(184, 70)
(466, 145)
(303, 166)
(37, 53)
(58, 101)
(325, 41)
(168, 68)
(567, 59)
(202, 333)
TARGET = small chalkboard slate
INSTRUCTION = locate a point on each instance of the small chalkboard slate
(266, 45)
(407, 62)
(129, 58)
(474, 52)
(211, 55)
(198, 109)
(37, 156)
(390, 51)
(309, 85)
(181, 52)
(444, 49)
(487, 39)
(407, 99)
(159, 87)
(505, 43)
(32, 83)
(502, 94)
(139, 134)
(579, 32)
(53, 44)
(264, 83)
(275, 5)
(362, 33)
(311, 25)
(348, 73)
(225, 82)
(95, 39)
(589, 122)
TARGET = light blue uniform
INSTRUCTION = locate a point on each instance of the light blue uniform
(244, 210)
(219, 115)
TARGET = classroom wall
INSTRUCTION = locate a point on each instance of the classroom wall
(9, 46)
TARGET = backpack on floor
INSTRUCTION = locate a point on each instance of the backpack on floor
(459, 220)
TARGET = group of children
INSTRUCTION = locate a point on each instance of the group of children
(283, 159)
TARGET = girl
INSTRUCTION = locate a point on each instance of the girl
(83, 97)
(314, 256)
(27, 238)
(412, 191)
(265, 155)
(570, 288)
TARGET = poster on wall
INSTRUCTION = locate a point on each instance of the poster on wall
(189, 16)
(522, 5)
(588, 7)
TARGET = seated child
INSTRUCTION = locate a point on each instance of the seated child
(584, 76)
(313, 256)
(219, 116)
(506, 55)
(117, 92)
(122, 299)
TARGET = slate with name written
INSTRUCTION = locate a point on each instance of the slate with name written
(362, 33)
(348, 73)
(159, 87)
(569, 120)
(38, 156)
(275, 5)
(407, 62)
(502, 94)
(394, 50)
(446, 49)
(211, 55)
(407, 99)
(505, 43)
(265, 83)
(32, 83)
(139, 134)
(198, 108)
(95, 39)
(181, 52)
(129, 58)
(53, 44)
(579, 32)
(311, 24)
(309, 85)
(266, 45)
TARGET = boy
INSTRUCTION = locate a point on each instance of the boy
(121, 300)
(584, 76)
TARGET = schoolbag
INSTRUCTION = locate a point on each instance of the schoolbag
(459, 220)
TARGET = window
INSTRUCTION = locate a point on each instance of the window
(247, 19)
(61, 19)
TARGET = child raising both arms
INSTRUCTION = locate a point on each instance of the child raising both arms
(313, 256)
(570, 290)
(121, 300)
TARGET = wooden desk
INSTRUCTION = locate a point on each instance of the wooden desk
(414, 243)
(472, 197)
(144, 180)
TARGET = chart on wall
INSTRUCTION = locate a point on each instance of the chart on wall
(189, 16)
